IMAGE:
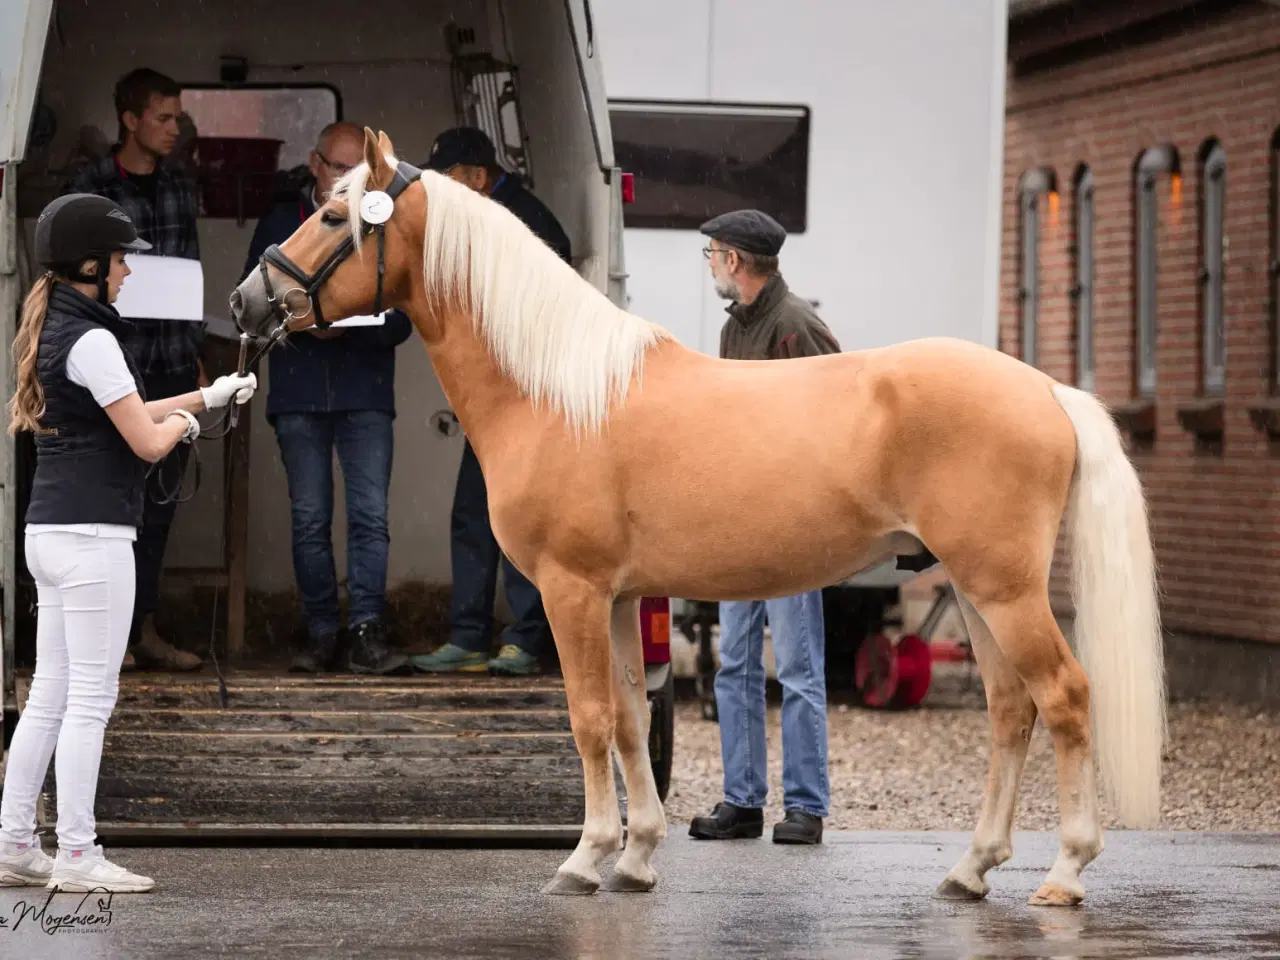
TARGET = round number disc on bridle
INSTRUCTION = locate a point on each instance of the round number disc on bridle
(376, 207)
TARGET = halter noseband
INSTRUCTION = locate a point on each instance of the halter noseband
(310, 284)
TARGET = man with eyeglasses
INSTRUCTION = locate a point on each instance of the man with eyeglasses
(335, 389)
(767, 322)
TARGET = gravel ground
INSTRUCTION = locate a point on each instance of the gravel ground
(926, 769)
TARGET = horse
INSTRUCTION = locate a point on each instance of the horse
(621, 464)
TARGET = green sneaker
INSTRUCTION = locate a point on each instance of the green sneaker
(514, 662)
(450, 659)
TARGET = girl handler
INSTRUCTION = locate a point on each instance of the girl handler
(82, 397)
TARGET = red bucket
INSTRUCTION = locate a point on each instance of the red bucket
(237, 174)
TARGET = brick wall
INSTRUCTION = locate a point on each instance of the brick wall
(1215, 515)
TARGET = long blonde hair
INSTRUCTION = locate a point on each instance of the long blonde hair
(26, 406)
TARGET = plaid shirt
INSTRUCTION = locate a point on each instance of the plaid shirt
(164, 350)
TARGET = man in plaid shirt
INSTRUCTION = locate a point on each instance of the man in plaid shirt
(164, 205)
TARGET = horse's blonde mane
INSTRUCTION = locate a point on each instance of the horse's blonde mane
(560, 339)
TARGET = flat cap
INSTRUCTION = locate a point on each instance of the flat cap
(750, 231)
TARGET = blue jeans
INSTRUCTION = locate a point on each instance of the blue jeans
(364, 442)
(475, 557)
(799, 650)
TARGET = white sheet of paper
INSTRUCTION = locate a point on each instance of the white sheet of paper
(162, 288)
(221, 327)
(376, 321)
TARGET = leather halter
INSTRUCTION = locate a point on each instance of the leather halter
(310, 284)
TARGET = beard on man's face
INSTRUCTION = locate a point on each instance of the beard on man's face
(726, 289)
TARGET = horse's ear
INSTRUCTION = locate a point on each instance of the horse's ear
(376, 160)
(385, 143)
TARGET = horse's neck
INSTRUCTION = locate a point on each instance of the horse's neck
(481, 395)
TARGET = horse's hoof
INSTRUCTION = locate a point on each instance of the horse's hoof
(571, 885)
(625, 883)
(953, 889)
(1053, 895)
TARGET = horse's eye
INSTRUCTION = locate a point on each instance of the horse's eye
(331, 219)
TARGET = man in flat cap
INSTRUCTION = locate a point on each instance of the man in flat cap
(767, 322)
(468, 155)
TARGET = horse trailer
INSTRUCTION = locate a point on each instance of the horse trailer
(254, 749)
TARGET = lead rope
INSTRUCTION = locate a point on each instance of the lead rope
(231, 417)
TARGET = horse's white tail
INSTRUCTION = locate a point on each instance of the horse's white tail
(1118, 638)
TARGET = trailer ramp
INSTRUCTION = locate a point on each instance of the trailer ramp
(430, 758)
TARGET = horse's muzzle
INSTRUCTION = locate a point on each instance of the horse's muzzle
(250, 309)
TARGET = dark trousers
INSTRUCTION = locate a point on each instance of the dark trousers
(364, 441)
(153, 534)
(475, 557)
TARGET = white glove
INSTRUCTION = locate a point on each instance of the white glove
(193, 425)
(219, 393)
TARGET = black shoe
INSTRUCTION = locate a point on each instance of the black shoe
(798, 827)
(316, 655)
(728, 822)
(369, 652)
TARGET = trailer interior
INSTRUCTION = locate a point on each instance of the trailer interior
(256, 751)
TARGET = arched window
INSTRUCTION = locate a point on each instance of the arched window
(1082, 291)
(1035, 184)
(1213, 192)
(1266, 415)
(1275, 261)
(1152, 163)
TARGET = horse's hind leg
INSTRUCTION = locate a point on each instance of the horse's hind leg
(579, 617)
(646, 822)
(1030, 639)
(1013, 715)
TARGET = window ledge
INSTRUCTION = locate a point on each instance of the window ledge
(1136, 418)
(1265, 417)
(1205, 419)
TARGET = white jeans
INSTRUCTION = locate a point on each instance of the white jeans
(85, 587)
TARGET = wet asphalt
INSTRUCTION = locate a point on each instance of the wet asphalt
(864, 895)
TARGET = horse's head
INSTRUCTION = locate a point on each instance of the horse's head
(312, 279)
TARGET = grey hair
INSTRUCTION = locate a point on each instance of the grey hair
(757, 264)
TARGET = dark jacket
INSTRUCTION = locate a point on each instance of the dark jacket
(775, 326)
(86, 472)
(511, 193)
(354, 371)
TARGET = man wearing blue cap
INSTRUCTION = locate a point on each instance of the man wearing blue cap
(767, 322)
(467, 155)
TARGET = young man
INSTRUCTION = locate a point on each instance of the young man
(164, 207)
(332, 389)
(767, 322)
(467, 155)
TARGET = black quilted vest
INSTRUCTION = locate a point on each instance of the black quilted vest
(85, 470)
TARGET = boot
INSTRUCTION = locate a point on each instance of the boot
(316, 655)
(728, 822)
(369, 652)
(152, 653)
(798, 827)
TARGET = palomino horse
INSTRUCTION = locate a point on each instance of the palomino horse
(595, 429)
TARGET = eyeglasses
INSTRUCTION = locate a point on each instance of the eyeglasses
(708, 251)
(342, 168)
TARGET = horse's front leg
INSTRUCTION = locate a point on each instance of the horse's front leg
(579, 615)
(646, 822)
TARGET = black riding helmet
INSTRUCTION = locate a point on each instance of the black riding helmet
(84, 226)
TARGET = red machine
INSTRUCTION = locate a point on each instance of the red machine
(655, 631)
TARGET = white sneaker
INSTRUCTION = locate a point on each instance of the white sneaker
(88, 871)
(24, 865)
